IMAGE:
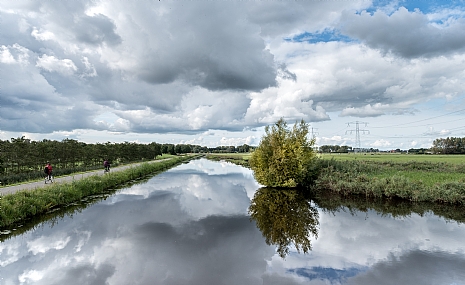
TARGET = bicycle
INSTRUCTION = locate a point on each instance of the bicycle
(48, 173)
(49, 178)
(106, 165)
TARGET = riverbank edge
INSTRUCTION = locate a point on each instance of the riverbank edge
(23, 205)
(338, 177)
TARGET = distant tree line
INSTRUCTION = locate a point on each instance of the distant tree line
(343, 149)
(449, 145)
(24, 155)
(188, 148)
(335, 148)
(23, 159)
(419, 151)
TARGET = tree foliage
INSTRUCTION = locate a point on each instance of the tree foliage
(284, 155)
(449, 145)
(285, 217)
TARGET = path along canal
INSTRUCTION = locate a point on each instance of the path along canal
(191, 225)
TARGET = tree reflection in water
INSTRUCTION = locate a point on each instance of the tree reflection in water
(285, 216)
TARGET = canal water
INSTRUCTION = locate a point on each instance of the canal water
(210, 222)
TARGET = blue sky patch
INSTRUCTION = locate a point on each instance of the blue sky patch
(325, 36)
(325, 273)
(425, 6)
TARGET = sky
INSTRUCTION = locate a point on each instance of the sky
(216, 73)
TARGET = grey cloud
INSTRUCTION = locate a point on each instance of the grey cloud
(277, 18)
(284, 73)
(404, 33)
(46, 118)
(195, 112)
(218, 52)
(276, 279)
(96, 30)
(211, 237)
(18, 31)
(85, 274)
(415, 267)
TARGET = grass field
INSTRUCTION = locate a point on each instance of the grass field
(395, 157)
(244, 156)
(383, 157)
(236, 158)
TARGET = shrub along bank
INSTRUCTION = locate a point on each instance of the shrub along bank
(20, 206)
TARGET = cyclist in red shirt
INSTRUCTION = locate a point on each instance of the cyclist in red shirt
(48, 171)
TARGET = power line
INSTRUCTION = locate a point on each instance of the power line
(393, 126)
(429, 124)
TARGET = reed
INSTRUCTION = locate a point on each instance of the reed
(23, 205)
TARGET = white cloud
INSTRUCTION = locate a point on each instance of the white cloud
(6, 56)
(44, 244)
(30, 276)
(10, 253)
(42, 35)
(89, 68)
(51, 63)
(381, 144)
(366, 111)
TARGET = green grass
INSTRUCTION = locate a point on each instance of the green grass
(21, 206)
(396, 157)
(439, 181)
(236, 158)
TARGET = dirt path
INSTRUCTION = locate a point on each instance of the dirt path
(69, 178)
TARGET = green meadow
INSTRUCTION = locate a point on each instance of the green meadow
(396, 157)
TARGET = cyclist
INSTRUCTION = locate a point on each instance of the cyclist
(106, 164)
(48, 171)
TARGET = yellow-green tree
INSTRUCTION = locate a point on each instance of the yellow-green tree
(284, 155)
(285, 217)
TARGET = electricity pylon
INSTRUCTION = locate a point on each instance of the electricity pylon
(357, 133)
(314, 133)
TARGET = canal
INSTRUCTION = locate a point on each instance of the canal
(207, 222)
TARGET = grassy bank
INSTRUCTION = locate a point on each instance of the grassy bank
(432, 178)
(440, 181)
(236, 158)
(23, 205)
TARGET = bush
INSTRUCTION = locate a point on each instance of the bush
(284, 157)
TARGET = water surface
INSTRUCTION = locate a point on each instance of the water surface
(191, 225)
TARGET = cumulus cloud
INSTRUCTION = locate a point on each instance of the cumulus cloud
(381, 144)
(366, 111)
(51, 63)
(189, 67)
(407, 34)
(415, 267)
